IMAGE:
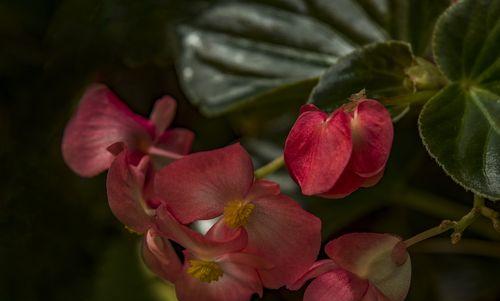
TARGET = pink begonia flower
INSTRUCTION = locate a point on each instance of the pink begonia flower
(333, 155)
(130, 192)
(103, 122)
(205, 185)
(363, 267)
(214, 269)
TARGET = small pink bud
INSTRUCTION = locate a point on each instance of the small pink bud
(333, 155)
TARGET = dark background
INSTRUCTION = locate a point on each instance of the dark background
(58, 238)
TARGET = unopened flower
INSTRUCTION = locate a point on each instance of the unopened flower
(362, 267)
(103, 123)
(213, 268)
(333, 155)
(221, 182)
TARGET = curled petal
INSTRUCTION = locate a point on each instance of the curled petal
(318, 149)
(100, 121)
(160, 257)
(372, 134)
(199, 185)
(163, 113)
(125, 185)
(380, 258)
(318, 268)
(283, 233)
(338, 285)
(238, 283)
(203, 247)
(346, 184)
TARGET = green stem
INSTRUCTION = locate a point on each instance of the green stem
(270, 167)
(457, 226)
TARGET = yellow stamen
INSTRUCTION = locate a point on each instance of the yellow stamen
(206, 271)
(236, 213)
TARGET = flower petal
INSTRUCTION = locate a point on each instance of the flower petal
(318, 149)
(202, 246)
(318, 268)
(125, 185)
(171, 145)
(346, 184)
(372, 134)
(238, 283)
(100, 121)
(338, 285)
(286, 235)
(160, 257)
(199, 185)
(371, 256)
(163, 113)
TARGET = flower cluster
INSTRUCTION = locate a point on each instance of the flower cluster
(261, 237)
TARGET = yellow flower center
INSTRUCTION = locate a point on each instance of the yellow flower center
(236, 213)
(206, 271)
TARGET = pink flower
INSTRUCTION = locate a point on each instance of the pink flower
(333, 155)
(103, 124)
(363, 267)
(221, 182)
(130, 192)
(213, 268)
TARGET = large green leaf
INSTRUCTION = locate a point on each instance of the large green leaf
(243, 52)
(379, 68)
(460, 126)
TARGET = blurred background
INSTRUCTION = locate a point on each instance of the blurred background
(58, 238)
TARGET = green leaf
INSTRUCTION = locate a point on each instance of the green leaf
(460, 126)
(246, 52)
(379, 68)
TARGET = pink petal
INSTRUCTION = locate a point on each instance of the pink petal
(262, 188)
(160, 257)
(194, 241)
(336, 285)
(100, 121)
(372, 256)
(309, 107)
(125, 185)
(318, 149)
(238, 283)
(199, 185)
(171, 145)
(346, 184)
(372, 134)
(318, 268)
(163, 113)
(286, 235)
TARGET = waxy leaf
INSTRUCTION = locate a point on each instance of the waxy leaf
(250, 52)
(379, 68)
(460, 126)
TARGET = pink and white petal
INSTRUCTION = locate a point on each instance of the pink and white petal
(381, 258)
(318, 149)
(173, 144)
(163, 113)
(177, 140)
(372, 134)
(262, 188)
(286, 235)
(345, 185)
(337, 285)
(195, 242)
(318, 268)
(100, 121)
(199, 185)
(238, 283)
(373, 294)
(160, 257)
(125, 184)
